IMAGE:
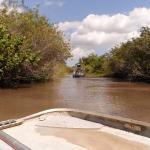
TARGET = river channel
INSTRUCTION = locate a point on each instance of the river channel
(102, 95)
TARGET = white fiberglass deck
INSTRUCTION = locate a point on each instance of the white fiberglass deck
(4, 146)
(59, 131)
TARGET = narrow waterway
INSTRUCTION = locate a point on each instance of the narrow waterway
(101, 95)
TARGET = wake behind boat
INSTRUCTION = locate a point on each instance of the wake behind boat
(69, 129)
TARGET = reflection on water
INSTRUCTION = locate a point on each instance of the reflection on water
(102, 95)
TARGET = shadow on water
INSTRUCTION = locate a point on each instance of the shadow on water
(102, 95)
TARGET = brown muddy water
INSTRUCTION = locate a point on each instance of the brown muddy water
(108, 96)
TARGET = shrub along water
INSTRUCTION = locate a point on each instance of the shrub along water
(129, 60)
(30, 47)
(94, 65)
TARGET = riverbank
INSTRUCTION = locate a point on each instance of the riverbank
(129, 60)
(97, 75)
(26, 54)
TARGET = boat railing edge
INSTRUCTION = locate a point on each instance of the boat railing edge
(130, 125)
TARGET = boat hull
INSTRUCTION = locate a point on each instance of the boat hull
(67, 129)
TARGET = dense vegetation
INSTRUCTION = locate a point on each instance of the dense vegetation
(93, 65)
(30, 48)
(130, 60)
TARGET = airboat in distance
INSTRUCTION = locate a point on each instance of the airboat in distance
(78, 71)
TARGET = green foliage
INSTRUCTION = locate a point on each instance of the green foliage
(129, 60)
(132, 59)
(14, 58)
(61, 70)
(93, 64)
(30, 47)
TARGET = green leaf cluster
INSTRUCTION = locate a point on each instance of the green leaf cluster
(129, 60)
(30, 48)
(93, 64)
(15, 55)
